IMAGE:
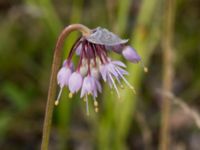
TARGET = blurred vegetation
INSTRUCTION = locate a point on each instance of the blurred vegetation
(28, 33)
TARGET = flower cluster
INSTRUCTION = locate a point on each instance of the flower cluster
(95, 64)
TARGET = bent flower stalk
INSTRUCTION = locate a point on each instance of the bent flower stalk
(95, 65)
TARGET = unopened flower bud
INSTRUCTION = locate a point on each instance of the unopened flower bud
(130, 54)
(83, 70)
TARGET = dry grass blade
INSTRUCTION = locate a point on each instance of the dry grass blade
(186, 108)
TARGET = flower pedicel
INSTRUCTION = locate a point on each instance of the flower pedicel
(95, 64)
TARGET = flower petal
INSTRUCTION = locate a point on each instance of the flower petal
(75, 82)
(119, 63)
(63, 76)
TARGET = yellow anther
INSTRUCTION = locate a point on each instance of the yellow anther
(56, 102)
(84, 99)
(122, 86)
(95, 103)
(70, 95)
(145, 69)
(96, 109)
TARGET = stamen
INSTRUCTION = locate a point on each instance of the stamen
(70, 95)
(96, 109)
(87, 106)
(58, 98)
(144, 67)
(84, 99)
(116, 89)
(118, 80)
(95, 103)
(56, 102)
(127, 83)
(121, 86)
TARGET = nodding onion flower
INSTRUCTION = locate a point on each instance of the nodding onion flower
(95, 64)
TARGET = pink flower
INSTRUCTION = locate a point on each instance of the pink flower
(94, 64)
(63, 78)
(75, 82)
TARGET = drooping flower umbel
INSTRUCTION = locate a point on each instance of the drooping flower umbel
(94, 64)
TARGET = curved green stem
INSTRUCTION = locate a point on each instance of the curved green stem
(52, 85)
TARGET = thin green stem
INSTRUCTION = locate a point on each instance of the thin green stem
(167, 72)
(52, 85)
